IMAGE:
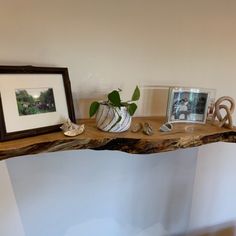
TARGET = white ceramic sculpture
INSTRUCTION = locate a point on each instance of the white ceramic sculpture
(113, 114)
(113, 119)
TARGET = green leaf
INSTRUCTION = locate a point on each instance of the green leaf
(132, 108)
(93, 108)
(136, 94)
(114, 98)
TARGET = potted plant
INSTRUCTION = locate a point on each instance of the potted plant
(114, 115)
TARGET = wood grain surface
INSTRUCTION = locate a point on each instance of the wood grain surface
(183, 136)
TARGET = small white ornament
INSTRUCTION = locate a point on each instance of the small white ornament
(75, 132)
(71, 129)
(167, 127)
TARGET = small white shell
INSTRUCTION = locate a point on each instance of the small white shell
(68, 125)
(75, 132)
(167, 127)
(71, 129)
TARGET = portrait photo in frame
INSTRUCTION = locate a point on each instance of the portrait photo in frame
(187, 105)
(33, 100)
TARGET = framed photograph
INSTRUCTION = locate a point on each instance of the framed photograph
(33, 100)
(187, 105)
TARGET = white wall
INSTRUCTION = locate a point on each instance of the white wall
(10, 220)
(104, 193)
(109, 44)
(214, 192)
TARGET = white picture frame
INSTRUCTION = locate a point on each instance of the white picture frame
(188, 105)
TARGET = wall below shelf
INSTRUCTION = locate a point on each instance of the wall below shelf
(182, 136)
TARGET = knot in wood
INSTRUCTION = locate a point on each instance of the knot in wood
(226, 120)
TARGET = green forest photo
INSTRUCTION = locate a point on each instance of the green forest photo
(35, 101)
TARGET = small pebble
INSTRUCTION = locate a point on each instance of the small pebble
(137, 127)
(147, 129)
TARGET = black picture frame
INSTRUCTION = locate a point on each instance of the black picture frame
(32, 70)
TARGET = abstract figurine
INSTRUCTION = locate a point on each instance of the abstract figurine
(226, 121)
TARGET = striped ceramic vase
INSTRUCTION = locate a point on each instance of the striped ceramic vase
(107, 118)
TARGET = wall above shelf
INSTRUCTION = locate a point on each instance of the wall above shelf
(182, 136)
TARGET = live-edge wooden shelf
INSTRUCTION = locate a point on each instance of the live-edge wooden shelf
(182, 136)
